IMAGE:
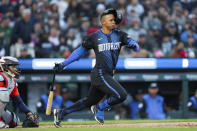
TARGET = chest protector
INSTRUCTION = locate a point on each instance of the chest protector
(8, 87)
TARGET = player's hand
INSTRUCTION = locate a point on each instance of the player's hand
(59, 67)
(134, 45)
(32, 120)
(30, 115)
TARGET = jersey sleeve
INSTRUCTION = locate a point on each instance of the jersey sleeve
(124, 38)
(15, 92)
(87, 43)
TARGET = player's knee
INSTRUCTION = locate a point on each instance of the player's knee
(10, 118)
(87, 102)
(123, 97)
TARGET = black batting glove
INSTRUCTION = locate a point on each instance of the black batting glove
(59, 67)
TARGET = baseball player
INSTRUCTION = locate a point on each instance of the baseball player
(106, 44)
(8, 89)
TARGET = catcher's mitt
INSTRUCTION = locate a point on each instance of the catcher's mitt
(31, 120)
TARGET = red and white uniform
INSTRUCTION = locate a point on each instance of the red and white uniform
(9, 83)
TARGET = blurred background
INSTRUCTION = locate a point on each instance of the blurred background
(41, 32)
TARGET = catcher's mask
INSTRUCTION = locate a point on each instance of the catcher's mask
(7, 62)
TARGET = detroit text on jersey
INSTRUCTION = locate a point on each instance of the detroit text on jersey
(109, 46)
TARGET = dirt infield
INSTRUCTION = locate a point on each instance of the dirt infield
(168, 124)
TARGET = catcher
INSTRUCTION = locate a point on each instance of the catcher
(8, 89)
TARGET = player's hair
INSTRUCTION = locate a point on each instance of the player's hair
(118, 16)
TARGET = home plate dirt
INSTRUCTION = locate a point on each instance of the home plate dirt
(167, 124)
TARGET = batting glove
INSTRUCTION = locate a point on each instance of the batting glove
(59, 67)
(134, 45)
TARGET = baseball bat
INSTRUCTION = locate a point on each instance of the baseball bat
(50, 98)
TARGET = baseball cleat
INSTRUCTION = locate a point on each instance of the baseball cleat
(57, 118)
(98, 114)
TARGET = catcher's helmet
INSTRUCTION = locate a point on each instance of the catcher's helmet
(118, 16)
(7, 61)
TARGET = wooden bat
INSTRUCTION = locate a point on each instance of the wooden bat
(50, 99)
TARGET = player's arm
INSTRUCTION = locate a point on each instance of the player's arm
(18, 100)
(142, 109)
(76, 54)
(130, 43)
(191, 106)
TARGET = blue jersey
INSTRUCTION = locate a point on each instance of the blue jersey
(106, 47)
(154, 107)
(134, 109)
(194, 101)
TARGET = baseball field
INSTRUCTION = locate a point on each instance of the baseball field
(123, 125)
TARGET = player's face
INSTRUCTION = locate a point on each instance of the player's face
(195, 94)
(13, 69)
(153, 91)
(109, 21)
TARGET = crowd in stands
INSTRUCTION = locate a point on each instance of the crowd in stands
(54, 28)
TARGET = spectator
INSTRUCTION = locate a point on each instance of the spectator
(85, 9)
(73, 9)
(153, 104)
(175, 19)
(15, 49)
(136, 104)
(5, 5)
(73, 38)
(2, 51)
(178, 14)
(5, 33)
(164, 3)
(23, 28)
(131, 17)
(136, 6)
(62, 6)
(192, 104)
(24, 53)
(85, 24)
(100, 9)
(94, 26)
(66, 98)
(189, 4)
(144, 43)
(151, 18)
(191, 47)
(185, 34)
(166, 46)
(178, 51)
(65, 52)
(171, 30)
(120, 3)
(42, 104)
(27, 3)
(54, 37)
(135, 29)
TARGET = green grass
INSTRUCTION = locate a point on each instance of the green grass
(120, 121)
(106, 129)
(114, 129)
